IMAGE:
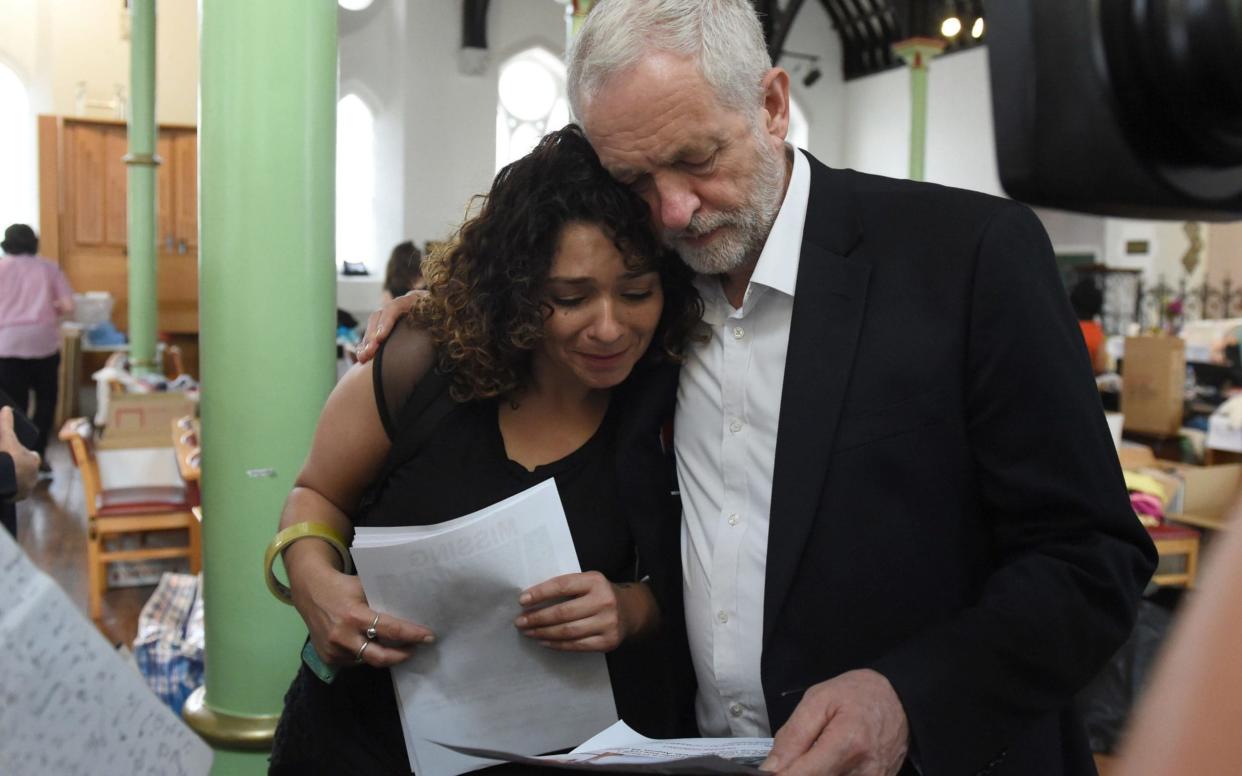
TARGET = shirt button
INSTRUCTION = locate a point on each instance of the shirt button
(738, 332)
(736, 709)
(723, 616)
(733, 519)
(735, 426)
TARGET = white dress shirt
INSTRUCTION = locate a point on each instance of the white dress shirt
(728, 405)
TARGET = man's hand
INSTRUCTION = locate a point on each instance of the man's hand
(25, 462)
(380, 324)
(851, 724)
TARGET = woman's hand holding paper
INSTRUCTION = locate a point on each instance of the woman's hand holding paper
(337, 615)
(596, 617)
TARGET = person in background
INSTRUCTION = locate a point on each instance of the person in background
(1088, 301)
(404, 272)
(550, 332)
(34, 296)
(876, 608)
(19, 469)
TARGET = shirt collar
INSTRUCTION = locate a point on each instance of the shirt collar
(778, 262)
(777, 267)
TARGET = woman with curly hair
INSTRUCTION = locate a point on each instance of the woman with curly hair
(554, 323)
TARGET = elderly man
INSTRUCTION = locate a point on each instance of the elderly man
(906, 542)
(19, 468)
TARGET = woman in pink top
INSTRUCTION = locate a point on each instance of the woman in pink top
(34, 294)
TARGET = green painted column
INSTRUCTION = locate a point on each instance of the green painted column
(267, 301)
(141, 159)
(580, 9)
(918, 53)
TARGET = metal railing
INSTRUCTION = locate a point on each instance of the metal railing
(1159, 306)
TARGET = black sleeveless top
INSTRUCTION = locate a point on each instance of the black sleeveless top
(462, 466)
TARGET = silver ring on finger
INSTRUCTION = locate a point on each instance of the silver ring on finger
(371, 633)
(362, 649)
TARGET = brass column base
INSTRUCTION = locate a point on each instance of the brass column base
(226, 731)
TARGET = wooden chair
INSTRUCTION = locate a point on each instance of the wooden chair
(1174, 541)
(114, 513)
(189, 454)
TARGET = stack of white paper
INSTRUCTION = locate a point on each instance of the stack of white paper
(482, 681)
(621, 749)
(68, 702)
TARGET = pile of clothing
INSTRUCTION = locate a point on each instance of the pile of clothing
(1155, 489)
(1151, 492)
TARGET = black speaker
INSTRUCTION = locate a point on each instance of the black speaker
(1126, 108)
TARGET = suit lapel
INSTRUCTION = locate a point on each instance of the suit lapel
(829, 301)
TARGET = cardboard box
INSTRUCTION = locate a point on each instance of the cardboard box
(143, 419)
(1153, 384)
(1222, 436)
(1209, 494)
(1135, 456)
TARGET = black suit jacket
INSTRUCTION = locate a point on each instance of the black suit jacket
(947, 505)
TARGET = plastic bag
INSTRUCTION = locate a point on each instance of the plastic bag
(169, 646)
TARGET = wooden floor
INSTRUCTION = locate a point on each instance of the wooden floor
(51, 528)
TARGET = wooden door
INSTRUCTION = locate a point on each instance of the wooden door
(165, 230)
(91, 177)
(178, 273)
(93, 224)
(185, 184)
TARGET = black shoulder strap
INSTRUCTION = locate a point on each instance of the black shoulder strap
(423, 411)
(427, 406)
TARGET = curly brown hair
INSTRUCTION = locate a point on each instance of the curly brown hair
(487, 303)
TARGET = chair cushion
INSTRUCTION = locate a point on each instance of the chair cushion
(1170, 531)
(141, 501)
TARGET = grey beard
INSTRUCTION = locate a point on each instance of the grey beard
(748, 226)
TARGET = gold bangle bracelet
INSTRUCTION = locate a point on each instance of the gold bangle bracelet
(290, 535)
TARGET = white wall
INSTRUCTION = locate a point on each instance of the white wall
(824, 101)
(877, 123)
(19, 42)
(373, 66)
(435, 126)
(960, 147)
(1167, 243)
(961, 144)
(451, 124)
(450, 137)
(1074, 232)
(54, 44)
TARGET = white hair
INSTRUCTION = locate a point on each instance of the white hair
(724, 37)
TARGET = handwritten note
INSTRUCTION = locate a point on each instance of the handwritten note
(69, 704)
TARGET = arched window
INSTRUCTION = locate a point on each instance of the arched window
(18, 195)
(355, 182)
(531, 103)
(799, 130)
